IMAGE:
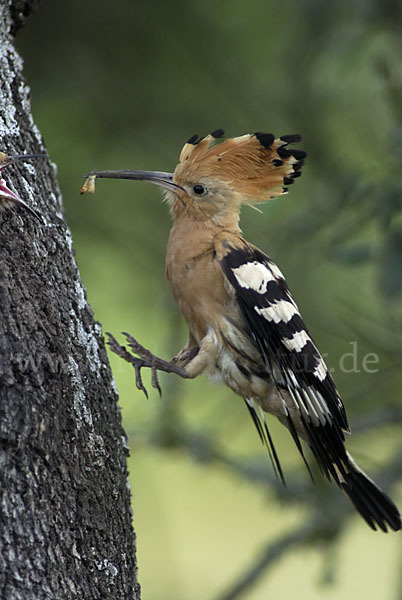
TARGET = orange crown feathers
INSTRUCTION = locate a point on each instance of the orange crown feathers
(256, 165)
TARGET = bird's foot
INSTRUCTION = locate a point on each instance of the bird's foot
(141, 357)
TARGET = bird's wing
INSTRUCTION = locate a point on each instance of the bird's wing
(289, 353)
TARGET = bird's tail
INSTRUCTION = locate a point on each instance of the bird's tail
(376, 508)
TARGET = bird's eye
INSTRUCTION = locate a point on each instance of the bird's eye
(199, 189)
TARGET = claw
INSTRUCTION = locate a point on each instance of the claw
(144, 358)
(155, 381)
(138, 379)
(137, 363)
(138, 349)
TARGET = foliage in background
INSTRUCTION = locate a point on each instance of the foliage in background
(124, 87)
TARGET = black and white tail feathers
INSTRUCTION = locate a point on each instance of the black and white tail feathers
(376, 508)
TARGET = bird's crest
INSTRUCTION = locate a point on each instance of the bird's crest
(257, 165)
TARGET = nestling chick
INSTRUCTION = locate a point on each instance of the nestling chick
(245, 328)
(6, 195)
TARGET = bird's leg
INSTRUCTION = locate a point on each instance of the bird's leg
(141, 357)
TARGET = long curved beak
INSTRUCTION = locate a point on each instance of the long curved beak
(160, 178)
(5, 193)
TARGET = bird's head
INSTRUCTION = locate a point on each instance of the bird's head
(215, 177)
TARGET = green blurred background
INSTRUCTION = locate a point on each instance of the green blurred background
(123, 85)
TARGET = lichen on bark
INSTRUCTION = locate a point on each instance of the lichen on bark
(64, 501)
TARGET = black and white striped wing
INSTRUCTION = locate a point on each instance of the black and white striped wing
(289, 353)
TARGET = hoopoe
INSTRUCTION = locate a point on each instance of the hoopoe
(245, 329)
(8, 197)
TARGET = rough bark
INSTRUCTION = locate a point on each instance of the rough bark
(64, 499)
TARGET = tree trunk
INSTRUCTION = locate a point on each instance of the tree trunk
(65, 502)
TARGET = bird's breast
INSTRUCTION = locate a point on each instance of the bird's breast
(197, 281)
